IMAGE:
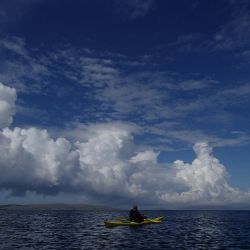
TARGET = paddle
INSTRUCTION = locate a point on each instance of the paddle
(122, 218)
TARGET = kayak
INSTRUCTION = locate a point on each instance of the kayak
(119, 222)
(124, 222)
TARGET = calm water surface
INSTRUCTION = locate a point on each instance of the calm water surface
(85, 230)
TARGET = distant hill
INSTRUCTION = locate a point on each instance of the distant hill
(54, 206)
(218, 207)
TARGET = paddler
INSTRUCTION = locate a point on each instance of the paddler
(135, 215)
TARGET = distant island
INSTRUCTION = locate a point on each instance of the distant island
(54, 206)
(88, 207)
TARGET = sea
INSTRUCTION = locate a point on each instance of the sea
(76, 229)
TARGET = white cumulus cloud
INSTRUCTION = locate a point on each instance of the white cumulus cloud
(104, 163)
(7, 105)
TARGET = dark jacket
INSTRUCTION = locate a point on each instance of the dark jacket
(135, 215)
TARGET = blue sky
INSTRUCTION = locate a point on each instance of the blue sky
(157, 77)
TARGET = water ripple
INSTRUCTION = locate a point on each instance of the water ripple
(85, 230)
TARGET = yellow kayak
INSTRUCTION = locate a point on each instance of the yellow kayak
(123, 222)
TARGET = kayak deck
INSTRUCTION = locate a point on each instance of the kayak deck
(110, 223)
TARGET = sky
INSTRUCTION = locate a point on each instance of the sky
(122, 102)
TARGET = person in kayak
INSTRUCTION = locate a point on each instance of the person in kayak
(135, 215)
